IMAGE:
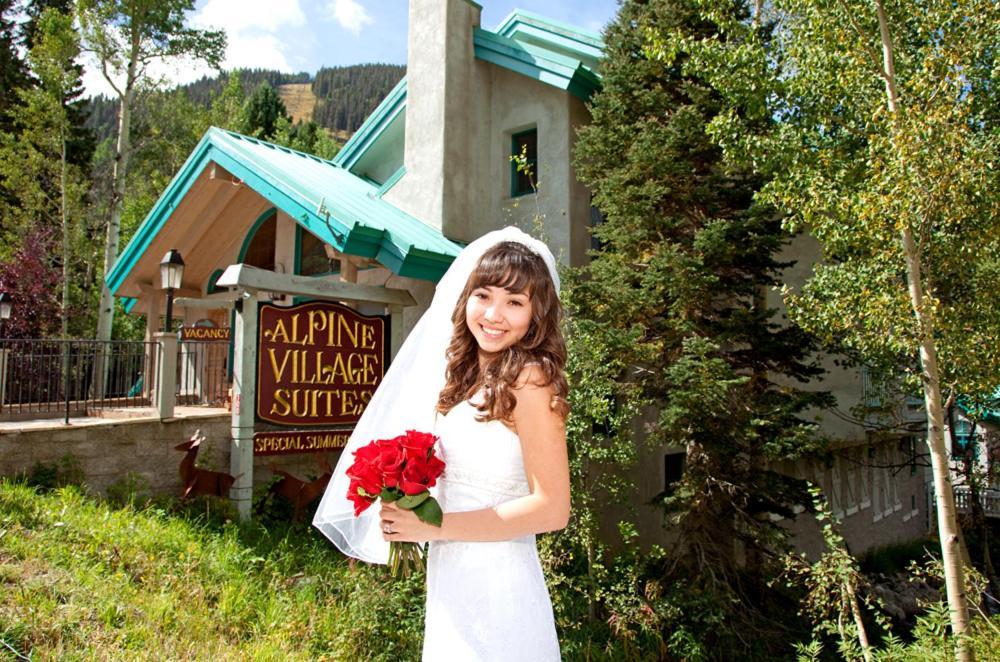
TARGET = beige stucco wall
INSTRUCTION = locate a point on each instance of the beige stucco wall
(460, 115)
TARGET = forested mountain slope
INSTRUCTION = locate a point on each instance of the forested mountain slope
(342, 97)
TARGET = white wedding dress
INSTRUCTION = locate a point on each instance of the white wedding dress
(486, 601)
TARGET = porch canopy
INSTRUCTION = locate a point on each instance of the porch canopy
(230, 180)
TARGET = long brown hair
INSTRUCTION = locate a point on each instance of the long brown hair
(516, 268)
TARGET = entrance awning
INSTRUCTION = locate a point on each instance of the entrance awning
(336, 206)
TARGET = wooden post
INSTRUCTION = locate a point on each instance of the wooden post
(396, 335)
(244, 399)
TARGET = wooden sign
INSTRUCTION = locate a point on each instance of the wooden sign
(318, 363)
(299, 441)
(204, 331)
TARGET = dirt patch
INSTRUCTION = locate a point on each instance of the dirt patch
(299, 100)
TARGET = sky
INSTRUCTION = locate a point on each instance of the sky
(305, 35)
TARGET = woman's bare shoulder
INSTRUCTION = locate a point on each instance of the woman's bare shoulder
(532, 377)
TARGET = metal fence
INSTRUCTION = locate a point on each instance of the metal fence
(74, 377)
(203, 375)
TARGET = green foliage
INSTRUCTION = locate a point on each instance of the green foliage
(131, 490)
(305, 137)
(43, 186)
(262, 111)
(13, 70)
(52, 475)
(126, 37)
(856, 175)
(674, 303)
(167, 582)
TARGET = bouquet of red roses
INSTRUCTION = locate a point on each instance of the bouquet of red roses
(398, 470)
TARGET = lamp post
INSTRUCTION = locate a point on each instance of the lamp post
(6, 303)
(171, 272)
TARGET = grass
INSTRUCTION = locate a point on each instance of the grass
(81, 579)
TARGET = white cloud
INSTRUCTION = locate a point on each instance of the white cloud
(350, 14)
(237, 16)
(265, 51)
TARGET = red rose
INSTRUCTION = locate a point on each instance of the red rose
(360, 502)
(390, 461)
(367, 454)
(435, 467)
(417, 477)
(418, 443)
(368, 476)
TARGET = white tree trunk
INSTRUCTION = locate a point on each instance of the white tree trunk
(106, 306)
(64, 313)
(947, 519)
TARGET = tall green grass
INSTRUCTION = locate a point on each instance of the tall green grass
(81, 579)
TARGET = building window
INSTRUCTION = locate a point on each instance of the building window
(259, 252)
(524, 163)
(313, 260)
(673, 468)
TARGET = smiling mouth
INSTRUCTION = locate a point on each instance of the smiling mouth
(492, 333)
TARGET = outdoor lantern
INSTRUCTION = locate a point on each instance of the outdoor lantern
(6, 302)
(171, 272)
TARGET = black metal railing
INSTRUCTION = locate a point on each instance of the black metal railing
(203, 376)
(74, 377)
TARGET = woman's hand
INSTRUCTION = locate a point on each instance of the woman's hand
(405, 525)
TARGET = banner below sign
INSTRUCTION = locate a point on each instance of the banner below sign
(299, 441)
(318, 363)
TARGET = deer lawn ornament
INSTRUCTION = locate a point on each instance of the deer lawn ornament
(201, 481)
(296, 491)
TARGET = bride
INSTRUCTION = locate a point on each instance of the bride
(483, 369)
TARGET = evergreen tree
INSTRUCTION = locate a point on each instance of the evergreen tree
(45, 187)
(886, 152)
(262, 111)
(13, 70)
(679, 285)
(81, 140)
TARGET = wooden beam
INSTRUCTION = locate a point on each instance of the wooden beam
(245, 277)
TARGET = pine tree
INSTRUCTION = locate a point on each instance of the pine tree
(13, 70)
(81, 140)
(679, 284)
(262, 111)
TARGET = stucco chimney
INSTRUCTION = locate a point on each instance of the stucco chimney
(442, 91)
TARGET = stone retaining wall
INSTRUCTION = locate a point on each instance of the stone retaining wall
(106, 451)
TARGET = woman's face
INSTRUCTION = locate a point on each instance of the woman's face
(497, 318)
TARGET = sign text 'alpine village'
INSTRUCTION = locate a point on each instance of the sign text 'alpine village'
(318, 363)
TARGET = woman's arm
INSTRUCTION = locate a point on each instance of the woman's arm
(546, 466)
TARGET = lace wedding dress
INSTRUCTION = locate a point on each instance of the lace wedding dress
(485, 600)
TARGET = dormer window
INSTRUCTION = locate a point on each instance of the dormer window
(524, 163)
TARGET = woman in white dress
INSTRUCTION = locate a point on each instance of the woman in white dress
(491, 349)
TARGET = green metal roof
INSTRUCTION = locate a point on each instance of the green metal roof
(539, 62)
(373, 126)
(339, 208)
(525, 27)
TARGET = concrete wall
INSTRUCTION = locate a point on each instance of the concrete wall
(107, 450)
